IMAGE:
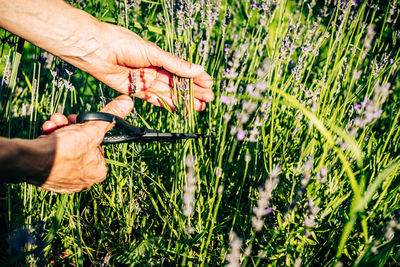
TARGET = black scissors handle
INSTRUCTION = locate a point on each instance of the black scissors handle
(118, 121)
(132, 133)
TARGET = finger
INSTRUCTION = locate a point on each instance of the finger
(199, 105)
(120, 106)
(204, 80)
(165, 91)
(155, 98)
(202, 89)
(59, 119)
(146, 76)
(99, 172)
(49, 127)
(203, 94)
(72, 118)
(173, 64)
(61, 190)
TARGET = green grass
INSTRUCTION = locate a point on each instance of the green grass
(304, 73)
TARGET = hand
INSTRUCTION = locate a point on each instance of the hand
(106, 51)
(120, 51)
(79, 162)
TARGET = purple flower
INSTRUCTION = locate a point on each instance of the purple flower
(226, 49)
(224, 99)
(357, 106)
(241, 135)
(228, 100)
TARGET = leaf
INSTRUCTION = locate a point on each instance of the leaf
(349, 140)
(383, 175)
(155, 29)
(165, 105)
(15, 66)
(116, 163)
(291, 101)
(62, 203)
(361, 204)
(144, 121)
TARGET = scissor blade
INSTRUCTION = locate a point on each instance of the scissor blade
(169, 137)
(153, 136)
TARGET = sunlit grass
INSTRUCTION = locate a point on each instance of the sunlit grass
(310, 90)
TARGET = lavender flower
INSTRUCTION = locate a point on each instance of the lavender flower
(210, 13)
(185, 13)
(392, 16)
(321, 176)
(390, 229)
(265, 196)
(370, 110)
(234, 63)
(68, 85)
(249, 106)
(233, 257)
(228, 100)
(7, 72)
(26, 109)
(309, 220)
(106, 261)
(357, 107)
(254, 134)
(227, 117)
(368, 40)
(307, 169)
(297, 262)
(218, 171)
(241, 135)
(189, 188)
(46, 59)
(242, 117)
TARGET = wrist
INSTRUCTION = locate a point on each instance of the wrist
(53, 25)
(33, 159)
(9, 154)
(80, 45)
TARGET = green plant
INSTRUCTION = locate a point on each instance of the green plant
(303, 167)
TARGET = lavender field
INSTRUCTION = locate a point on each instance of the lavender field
(303, 166)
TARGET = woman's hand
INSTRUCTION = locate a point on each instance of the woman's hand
(78, 161)
(106, 51)
(120, 52)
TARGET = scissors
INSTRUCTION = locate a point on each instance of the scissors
(130, 133)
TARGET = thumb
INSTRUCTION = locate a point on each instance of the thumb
(120, 106)
(174, 64)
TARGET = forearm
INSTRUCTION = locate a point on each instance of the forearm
(25, 160)
(55, 26)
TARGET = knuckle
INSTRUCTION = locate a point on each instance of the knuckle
(102, 172)
(183, 64)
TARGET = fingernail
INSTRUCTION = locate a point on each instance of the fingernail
(125, 103)
(197, 68)
(210, 83)
(210, 97)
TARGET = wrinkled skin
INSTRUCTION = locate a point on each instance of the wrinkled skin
(68, 158)
(121, 51)
(79, 161)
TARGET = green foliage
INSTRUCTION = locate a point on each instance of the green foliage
(306, 94)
